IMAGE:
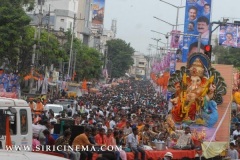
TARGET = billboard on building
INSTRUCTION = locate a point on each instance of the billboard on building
(228, 35)
(197, 21)
(98, 13)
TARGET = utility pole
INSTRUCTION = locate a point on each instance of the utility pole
(72, 57)
(71, 46)
(34, 55)
(39, 30)
(48, 25)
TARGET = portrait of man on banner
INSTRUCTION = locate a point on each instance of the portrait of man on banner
(203, 27)
(206, 10)
(197, 22)
(175, 39)
(228, 36)
(229, 40)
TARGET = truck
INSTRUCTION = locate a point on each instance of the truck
(17, 114)
(16, 126)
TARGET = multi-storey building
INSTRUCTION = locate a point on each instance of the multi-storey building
(139, 68)
(57, 14)
(62, 15)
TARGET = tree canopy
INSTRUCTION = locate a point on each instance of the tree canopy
(88, 60)
(13, 28)
(17, 39)
(119, 57)
(227, 55)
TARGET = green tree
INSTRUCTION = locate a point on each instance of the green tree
(119, 57)
(48, 51)
(13, 24)
(88, 60)
(227, 55)
(88, 63)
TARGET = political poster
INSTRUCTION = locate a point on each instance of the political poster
(172, 64)
(228, 36)
(98, 13)
(197, 22)
(9, 85)
(175, 38)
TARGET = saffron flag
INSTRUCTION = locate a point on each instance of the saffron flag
(8, 136)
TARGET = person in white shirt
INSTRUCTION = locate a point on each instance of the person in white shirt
(132, 142)
(71, 110)
(184, 141)
(234, 139)
(100, 125)
(87, 110)
(99, 112)
(51, 128)
(112, 123)
(127, 130)
(107, 112)
(232, 152)
(38, 129)
(237, 131)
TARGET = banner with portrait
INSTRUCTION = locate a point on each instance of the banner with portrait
(98, 7)
(228, 35)
(9, 85)
(175, 39)
(197, 21)
(173, 60)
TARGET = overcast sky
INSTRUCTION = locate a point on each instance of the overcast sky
(135, 18)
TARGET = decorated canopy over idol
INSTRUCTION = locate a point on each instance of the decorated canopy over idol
(198, 89)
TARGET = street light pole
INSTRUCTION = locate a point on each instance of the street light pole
(178, 7)
(167, 22)
(166, 35)
(157, 40)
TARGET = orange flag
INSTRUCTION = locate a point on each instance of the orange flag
(8, 136)
(84, 85)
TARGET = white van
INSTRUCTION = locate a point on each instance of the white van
(20, 117)
(56, 108)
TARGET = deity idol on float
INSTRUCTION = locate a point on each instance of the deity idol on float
(198, 89)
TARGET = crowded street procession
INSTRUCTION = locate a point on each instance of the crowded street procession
(110, 80)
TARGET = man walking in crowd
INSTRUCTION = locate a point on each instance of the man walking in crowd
(132, 141)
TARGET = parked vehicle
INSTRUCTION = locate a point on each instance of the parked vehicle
(64, 102)
(56, 108)
(20, 120)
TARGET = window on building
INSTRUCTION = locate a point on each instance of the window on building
(62, 20)
(23, 120)
(142, 63)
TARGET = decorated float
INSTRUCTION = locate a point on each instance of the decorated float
(197, 101)
(198, 89)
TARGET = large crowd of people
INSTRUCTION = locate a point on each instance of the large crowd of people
(131, 115)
